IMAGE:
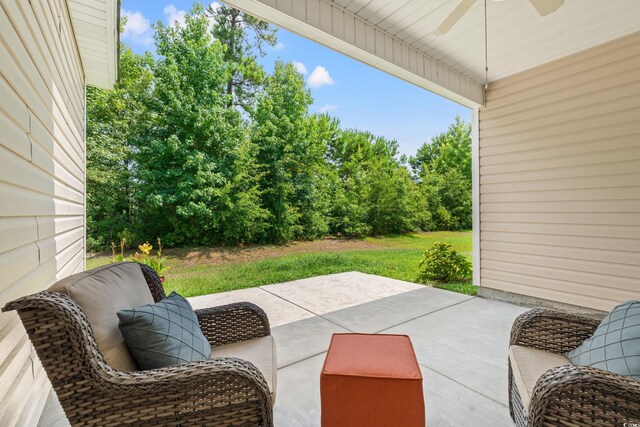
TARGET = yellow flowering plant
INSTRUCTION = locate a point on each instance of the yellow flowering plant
(157, 262)
(146, 248)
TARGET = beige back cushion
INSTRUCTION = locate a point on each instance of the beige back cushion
(101, 293)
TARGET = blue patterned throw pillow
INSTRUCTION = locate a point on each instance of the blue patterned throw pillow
(163, 334)
(615, 345)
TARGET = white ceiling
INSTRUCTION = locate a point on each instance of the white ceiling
(518, 38)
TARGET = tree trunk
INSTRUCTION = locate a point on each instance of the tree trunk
(234, 22)
(230, 92)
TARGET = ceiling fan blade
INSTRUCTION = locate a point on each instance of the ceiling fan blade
(454, 17)
(545, 7)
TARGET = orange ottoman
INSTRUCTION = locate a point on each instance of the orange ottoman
(371, 380)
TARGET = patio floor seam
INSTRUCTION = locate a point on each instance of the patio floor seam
(305, 309)
(425, 314)
(384, 329)
(464, 385)
(302, 360)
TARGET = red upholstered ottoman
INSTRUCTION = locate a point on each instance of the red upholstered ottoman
(371, 380)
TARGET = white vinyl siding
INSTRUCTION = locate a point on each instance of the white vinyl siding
(560, 179)
(42, 176)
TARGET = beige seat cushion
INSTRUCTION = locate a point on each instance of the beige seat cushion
(259, 351)
(528, 365)
(101, 293)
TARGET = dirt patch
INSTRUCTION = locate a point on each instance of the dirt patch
(222, 255)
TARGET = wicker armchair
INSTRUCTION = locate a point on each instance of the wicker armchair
(569, 394)
(221, 391)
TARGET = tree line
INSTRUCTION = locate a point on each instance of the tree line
(197, 144)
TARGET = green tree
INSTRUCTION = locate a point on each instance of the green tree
(316, 186)
(114, 120)
(448, 198)
(446, 151)
(395, 203)
(244, 37)
(377, 194)
(291, 148)
(443, 168)
(243, 219)
(193, 156)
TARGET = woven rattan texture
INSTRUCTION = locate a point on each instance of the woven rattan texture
(153, 281)
(570, 395)
(216, 392)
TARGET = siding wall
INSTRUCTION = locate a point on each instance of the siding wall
(42, 163)
(560, 179)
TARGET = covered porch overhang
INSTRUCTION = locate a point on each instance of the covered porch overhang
(398, 37)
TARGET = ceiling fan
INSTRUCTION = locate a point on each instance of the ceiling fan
(544, 7)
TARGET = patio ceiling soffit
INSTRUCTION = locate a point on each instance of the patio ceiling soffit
(96, 28)
(337, 28)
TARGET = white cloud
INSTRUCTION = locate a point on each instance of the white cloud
(327, 108)
(174, 16)
(279, 46)
(215, 6)
(138, 30)
(299, 66)
(319, 77)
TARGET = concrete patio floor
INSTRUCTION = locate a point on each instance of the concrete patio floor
(460, 342)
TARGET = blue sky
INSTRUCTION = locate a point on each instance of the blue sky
(359, 95)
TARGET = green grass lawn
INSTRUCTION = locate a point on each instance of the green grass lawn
(397, 257)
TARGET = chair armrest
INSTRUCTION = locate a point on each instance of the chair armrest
(218, 389)
(153, 282)
(581, 395)
(551, 330)
(233, 322)
(224, 370)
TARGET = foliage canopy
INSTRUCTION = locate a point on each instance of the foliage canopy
(199, 145)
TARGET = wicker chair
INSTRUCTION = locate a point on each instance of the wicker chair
(222, 391)
(569, 395)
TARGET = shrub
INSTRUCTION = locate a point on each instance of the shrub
(443, 264)
(126, 238)
(95, 244)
